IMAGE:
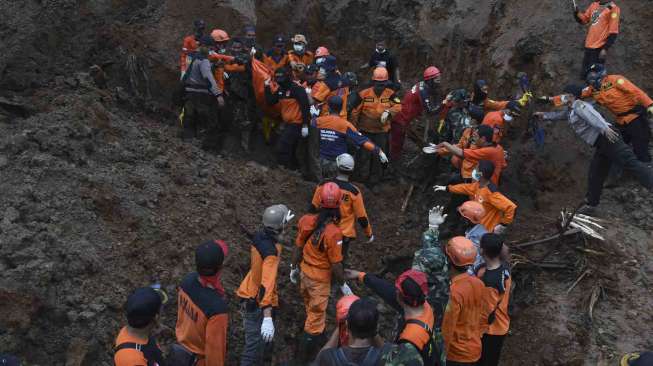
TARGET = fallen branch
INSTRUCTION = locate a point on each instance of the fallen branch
(594, 298)
(580, 278)
(590, 251)
(404, 206)
(551, 238)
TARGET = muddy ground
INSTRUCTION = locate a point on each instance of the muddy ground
(99, 196)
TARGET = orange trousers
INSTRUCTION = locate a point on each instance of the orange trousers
(316, 298)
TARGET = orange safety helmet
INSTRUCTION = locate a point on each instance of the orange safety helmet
(380, 74)
(330, 196)
(461, 251)
(431, 72)
(322, 52)
(472, 211)
(342, 307)
(219, 35)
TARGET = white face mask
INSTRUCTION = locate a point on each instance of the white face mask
(507, 117)
(298, 47)
(476, 175)
(380, 50)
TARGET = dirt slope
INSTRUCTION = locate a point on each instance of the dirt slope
(99, 196)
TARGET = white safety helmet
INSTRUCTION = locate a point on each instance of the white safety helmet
(345, 162)
(276, 217)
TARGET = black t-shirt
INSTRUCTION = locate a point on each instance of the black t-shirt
(386, 60)
(354, 355)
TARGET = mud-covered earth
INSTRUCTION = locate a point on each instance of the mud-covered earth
(99, 196)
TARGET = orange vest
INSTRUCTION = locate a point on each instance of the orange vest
(367, 116)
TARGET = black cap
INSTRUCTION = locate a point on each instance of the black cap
(208, 258)
(143, 305)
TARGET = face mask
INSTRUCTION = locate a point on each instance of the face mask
(380, 50)
(507, 117)
(476, 175)
(298, 48)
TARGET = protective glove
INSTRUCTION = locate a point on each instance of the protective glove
(315, 111)
(436, 218)
(383, 157)
(500, 229)
(370, 240)
(294, 274)
(252, 52)
(525, 98)
(650, 111)
(267, 82)
(384, 117)
(544, 99)
(304, 131)
(267, 330)
(346, 291)
(439, 188)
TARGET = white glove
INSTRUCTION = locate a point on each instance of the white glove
(384, 117)
(346, 291)
(436, 218)
(289, 216)
(500, 229)
(383, 157)
(308, 90)
(294, 274)
(371, 239)
(304, 131)
(267, 330)
(252, 52)
(650, 111)
(440, 188)
(267, 82)
(315, 111)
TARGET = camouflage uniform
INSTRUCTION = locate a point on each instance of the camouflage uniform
(457, 120)
(243, 104)
(403, 354)
(432, 260)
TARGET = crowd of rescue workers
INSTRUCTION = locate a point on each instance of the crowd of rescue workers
(452, 304)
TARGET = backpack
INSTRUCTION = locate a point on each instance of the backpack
(151, 351)
(339, 358)
(432, 350)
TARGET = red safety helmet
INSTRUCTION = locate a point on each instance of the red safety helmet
(219, 35)
(461, 251)
(472, 211)
(431, 72)
(380, 74)
(342, 307)
(322, 52)
(330, 196)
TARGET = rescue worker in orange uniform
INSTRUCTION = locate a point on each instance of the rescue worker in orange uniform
(499, 210)
(277, 56)
(422, 97)
(320, 54)
(135, 344)
(202, 316)
(497, 119)
(379, 105)
(603, 19)
(258, 290)
(408, 297)
(318, 253)
(299, 54)
(461, 326)
(484, 148)
(495, 275)
(352, 206)
(329, 84)
(219, 57)
(626, 101)
(295, 113)
(334, 134)
(190, 45)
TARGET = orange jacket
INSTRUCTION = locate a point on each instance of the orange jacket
(128, 356)
(367, 116)
(493, 153)
(495, 120)
(352, 208)
(603, 22)
(461, 325)
(187, 49)
(416, 334)
(498, 208)
(318, 256)
(466, 167)
(620, 96)
(260, 283)
(307, 58)
(222, 63)
(202, 320)
(494, 105)
(268, 59)
(321, 94)
(496, 296)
